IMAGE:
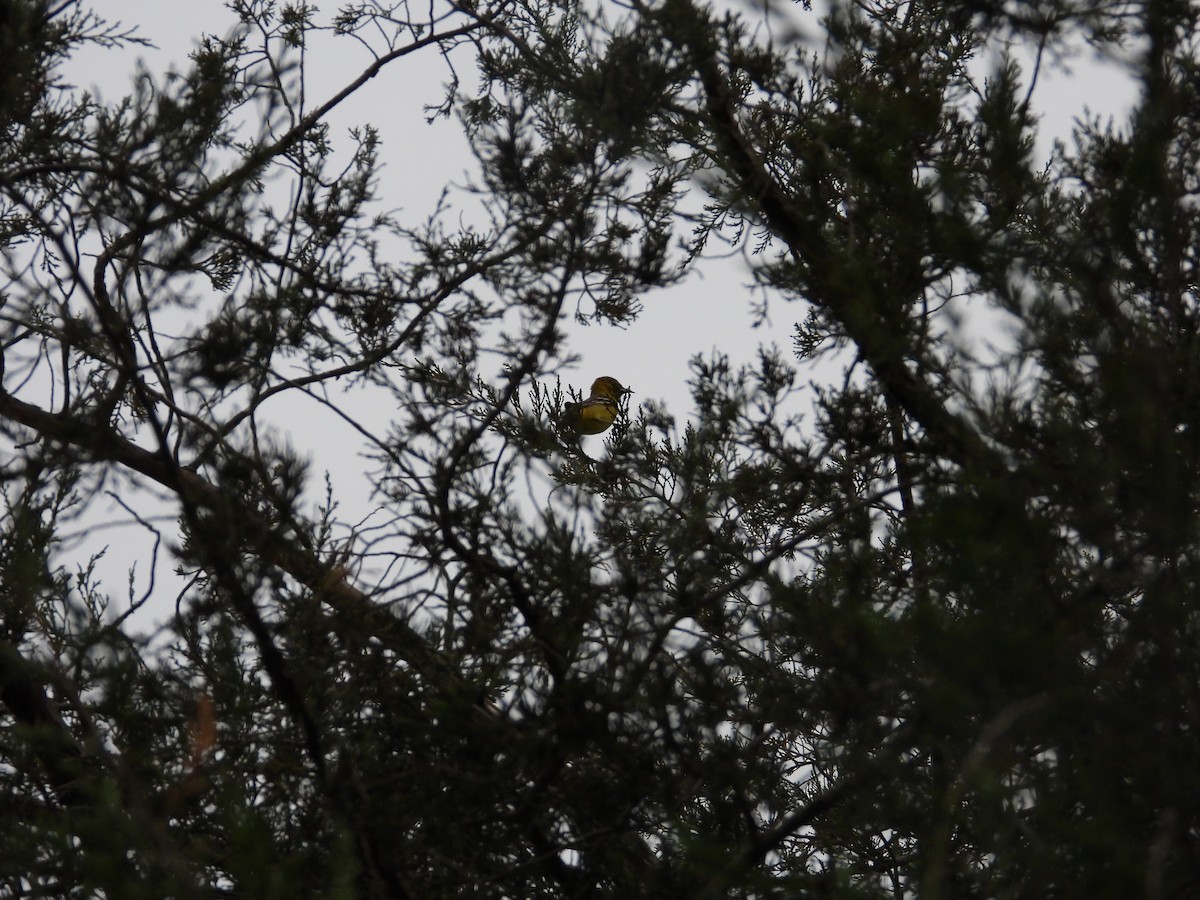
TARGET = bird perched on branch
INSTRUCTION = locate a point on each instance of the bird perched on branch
(597, 412)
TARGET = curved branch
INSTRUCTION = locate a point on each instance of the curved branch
(24, 694)
(324, 578)
(809, 245)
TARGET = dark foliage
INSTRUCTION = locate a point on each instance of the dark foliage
(912, 613)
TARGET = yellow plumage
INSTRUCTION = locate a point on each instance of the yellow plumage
(597, 412)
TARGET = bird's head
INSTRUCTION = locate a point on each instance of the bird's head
(607, 386)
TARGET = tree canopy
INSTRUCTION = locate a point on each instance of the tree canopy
(909, 609)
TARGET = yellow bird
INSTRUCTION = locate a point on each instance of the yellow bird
(597, 412)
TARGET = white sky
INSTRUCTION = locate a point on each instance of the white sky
(711, 311)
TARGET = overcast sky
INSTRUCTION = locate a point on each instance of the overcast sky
(711, 311)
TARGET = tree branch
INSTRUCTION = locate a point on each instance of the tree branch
(22, 691)
(325, 579)
(808, 244)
